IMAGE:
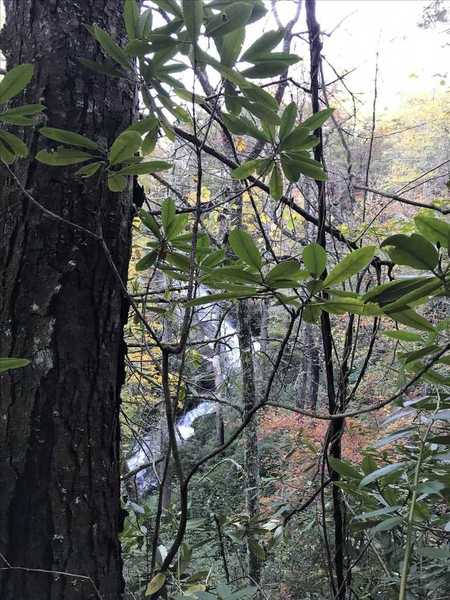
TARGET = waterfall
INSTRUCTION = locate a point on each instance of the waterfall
(184, 423)
(224, 356)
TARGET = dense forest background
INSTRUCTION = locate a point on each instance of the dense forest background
(273, 241)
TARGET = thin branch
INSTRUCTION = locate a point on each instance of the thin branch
(444, 211)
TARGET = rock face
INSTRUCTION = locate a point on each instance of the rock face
(61, 306)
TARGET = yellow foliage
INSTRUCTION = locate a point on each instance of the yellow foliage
(204, 197)
(241, 144)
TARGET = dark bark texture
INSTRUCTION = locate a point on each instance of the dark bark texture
(249, 397)
(61, 306)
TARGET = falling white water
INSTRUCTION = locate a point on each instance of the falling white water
(184, 423)
(225, 362)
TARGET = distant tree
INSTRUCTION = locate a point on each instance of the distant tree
(435, 12)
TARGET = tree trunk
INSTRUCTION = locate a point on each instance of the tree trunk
(336, 428)
(61, 306)
(251, 434)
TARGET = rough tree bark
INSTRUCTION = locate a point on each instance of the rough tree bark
(249, 397)
(61, 306)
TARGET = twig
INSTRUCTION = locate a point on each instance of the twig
(10, 567)
(444, 211)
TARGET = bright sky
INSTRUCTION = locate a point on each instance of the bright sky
(410, 57)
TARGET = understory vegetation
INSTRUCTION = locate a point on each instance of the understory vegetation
(285, 364)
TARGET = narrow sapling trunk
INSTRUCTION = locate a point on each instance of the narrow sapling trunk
(249, 396)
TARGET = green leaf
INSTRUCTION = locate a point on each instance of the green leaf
(407, 432)
(144, 25)
(149, 143)
(295, 139)
(410, 318)
(298, 152)
(229, 46)
(20, 115)
(145, 125)
(147, 261)
(22, 121)
(416, 354)
(168, 213)
(290, 168)
(150, 222)
(315, 259)
(217, 297)
(382, 472)
(387, 524)
(353, 306)
(131, 18)
(62, 157)
(180, 261)
(138, 48)
(260, 96)
(344, 468)
(418, 296)
(124, 147)
(276, 183)
(89, 170)
(288, 269)
(413, 251)
(311, 313)
(213, 259)
(155, 584)
(193, 17)
(276, 57)
(232, 17)
(268, 41)
(264, 70)
(434, 377)
(6, 154)
(117, 183)
(246, 169)
(145, 168)
(176, 226)
(296, 164)
(288, 120)
(109, 46)
(435, 230)
(230, 275)
(242, 126)
(232, 100)
(350, 265)
(12, 363)
(13, 143)
(310, 170)
(318, 119)
(260, 110)
(68, 137)
(15, 81)
(245, 248)
(393, 290)
(403, 336)
(169, 6)
(189, 96)
(177, 111)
